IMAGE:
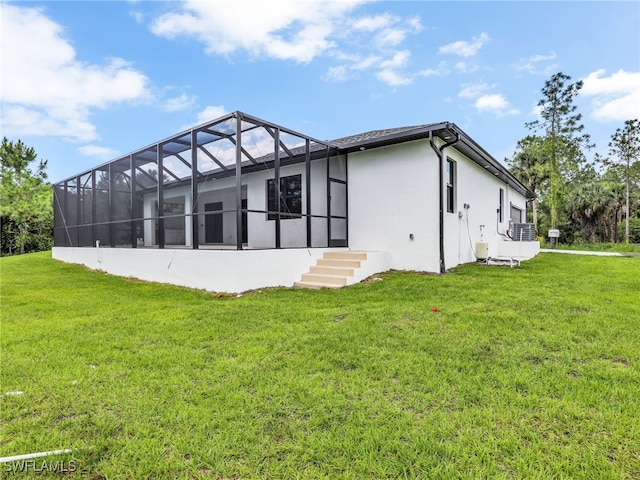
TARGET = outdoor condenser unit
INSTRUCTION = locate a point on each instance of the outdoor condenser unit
(523, 231)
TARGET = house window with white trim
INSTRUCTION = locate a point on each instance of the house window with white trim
(451, 185)
(290, 197)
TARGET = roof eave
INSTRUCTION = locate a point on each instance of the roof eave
(469, 147)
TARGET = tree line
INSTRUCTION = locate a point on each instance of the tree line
(588, 202)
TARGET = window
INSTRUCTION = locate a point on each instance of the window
(451, 185)
(501, 210)
(516, 214)
(290, 197)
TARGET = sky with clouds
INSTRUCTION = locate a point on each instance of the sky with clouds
(86, 82)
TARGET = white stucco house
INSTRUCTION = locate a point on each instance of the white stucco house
(243, 203)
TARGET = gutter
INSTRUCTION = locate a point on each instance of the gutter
(440, 153)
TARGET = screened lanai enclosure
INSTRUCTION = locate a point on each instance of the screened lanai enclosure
(237, 182)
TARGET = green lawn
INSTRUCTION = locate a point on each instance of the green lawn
(630, 248)
(531, 372)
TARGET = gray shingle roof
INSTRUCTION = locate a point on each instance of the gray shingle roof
(375, 135)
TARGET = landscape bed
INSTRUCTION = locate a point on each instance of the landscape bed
(485, 372)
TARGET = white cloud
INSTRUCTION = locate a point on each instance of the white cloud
(371, 24)
(393, 78)
(616, 97)
(439, 71)
(179, 103)
(338, 73)
(211, 113)
(138, 17)
(365, 63)
(102, 153)
(474, 90)
(464, 67)
(464, 48)
(536, 111)
(399, 60)
(494, 103)
(344, 72)
(391, 37)
(290, 30)
(46, 90)
(299, 31)
(537, 64)
(415, 24)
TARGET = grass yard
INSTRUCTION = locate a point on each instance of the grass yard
(531, 372)
(625, 248)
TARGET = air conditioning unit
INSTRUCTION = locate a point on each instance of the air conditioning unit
(525, 232)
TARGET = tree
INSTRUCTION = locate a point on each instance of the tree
(563, 141)
(625, 148)
(26, 210)
(530, 166)
(591, 201)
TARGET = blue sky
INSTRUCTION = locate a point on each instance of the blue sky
(85, 82)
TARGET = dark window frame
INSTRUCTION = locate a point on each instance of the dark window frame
(521, 211)
(290, 197)
(451, 185)
(501, 205)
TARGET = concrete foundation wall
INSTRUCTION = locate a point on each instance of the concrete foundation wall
(212, 270)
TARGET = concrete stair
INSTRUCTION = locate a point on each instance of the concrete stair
(334, 270)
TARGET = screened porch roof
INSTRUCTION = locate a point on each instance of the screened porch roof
(224, 129)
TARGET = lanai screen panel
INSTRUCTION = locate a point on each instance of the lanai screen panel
(71, 210)
(144, 210)
(318, 198)
(85, 210)
(176, 182)
(121, 184)
(101, 228)
(338, 201)
(59, 219)
(236, 182)
(215, 207)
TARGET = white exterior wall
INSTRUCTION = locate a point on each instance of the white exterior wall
(293, 231)
(481, 191)
(212, 270)
(393, 193)
(261, 231)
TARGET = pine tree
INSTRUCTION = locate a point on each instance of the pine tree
(625, 147)
(26, 211)
(561, 130)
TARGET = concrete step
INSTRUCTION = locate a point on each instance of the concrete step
(337, 271)
(315, 285)
(339, 262)
(317, 278)
(345, 255)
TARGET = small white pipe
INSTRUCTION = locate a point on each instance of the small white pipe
(29, 456)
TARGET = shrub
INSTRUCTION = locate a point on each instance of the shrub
(634, 230)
